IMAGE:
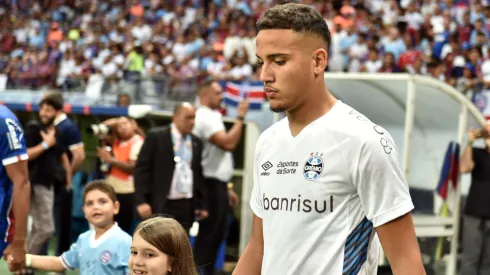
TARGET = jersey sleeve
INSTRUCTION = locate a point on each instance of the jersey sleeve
(207, 125)
(12, 143)
(72, 137)
(255, 199)
(70, 259)
(379, 180)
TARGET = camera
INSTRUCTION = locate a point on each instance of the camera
(99, 130)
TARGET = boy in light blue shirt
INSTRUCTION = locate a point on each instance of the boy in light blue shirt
(104, 250)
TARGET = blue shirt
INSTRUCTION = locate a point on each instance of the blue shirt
(71, 139)
(108, 255)
(12, 149)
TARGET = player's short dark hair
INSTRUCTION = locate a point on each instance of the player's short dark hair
(53, 99)
(101, 186)
(297, 17)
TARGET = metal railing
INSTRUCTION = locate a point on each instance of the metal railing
(161, 91)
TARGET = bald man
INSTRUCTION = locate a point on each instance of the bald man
(168, 174)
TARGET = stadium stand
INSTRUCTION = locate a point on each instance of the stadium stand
(158, 45)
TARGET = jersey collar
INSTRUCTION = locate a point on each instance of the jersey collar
(94, 243)
(60, 119)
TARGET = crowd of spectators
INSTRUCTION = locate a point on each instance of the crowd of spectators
(62, 43)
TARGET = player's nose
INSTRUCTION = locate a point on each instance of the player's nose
(266, 75)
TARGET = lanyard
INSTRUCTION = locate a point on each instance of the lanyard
(184, 151)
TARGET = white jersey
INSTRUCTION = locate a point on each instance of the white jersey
(321, 194)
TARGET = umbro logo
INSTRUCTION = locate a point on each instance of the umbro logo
(266, 166)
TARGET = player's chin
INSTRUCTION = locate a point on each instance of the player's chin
(276, 106)
(99, 221)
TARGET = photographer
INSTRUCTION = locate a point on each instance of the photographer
(126, 140)
(476, 224)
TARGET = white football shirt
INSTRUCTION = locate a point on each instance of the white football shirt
(321, 194)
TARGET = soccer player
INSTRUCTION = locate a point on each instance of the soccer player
(327, 181)
(15, 190)
(103, 250)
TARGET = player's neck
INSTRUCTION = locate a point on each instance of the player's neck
(205, 103)
(314, 108)
(99, 231)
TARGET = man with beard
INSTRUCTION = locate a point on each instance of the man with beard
(72, 143)
(48, 167)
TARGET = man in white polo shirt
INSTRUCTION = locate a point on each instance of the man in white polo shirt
(217, 163)
(327, 181)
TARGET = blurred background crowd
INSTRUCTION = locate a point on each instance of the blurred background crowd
(63, 43)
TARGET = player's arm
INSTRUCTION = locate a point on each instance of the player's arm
(76, 147)
(66, 165)
(19, 175)
(228, 141)
(45, 263)
(250, 262)
(34, 148)
(68, 260)
(467, 164)
(36, 151)
(127, 167)
(401, 247)
(386, 200)
(143, 172)
(78, 153)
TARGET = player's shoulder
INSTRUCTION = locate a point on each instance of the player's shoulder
(276, 129)
(122, 237)
(203, 112)
(85, 236)
(355, 126)
(7, 119)
(66, 122)
(206, 116)
(6, 112)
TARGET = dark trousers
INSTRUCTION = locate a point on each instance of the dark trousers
(182, 211)
(126, 212)
(476, 246)
(62, 219)
(212, 231)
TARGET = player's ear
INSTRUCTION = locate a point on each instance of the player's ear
(117, 205)
(321, 58)
(84, 211)
(170, 261)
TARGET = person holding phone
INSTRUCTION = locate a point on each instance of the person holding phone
(476, 221)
